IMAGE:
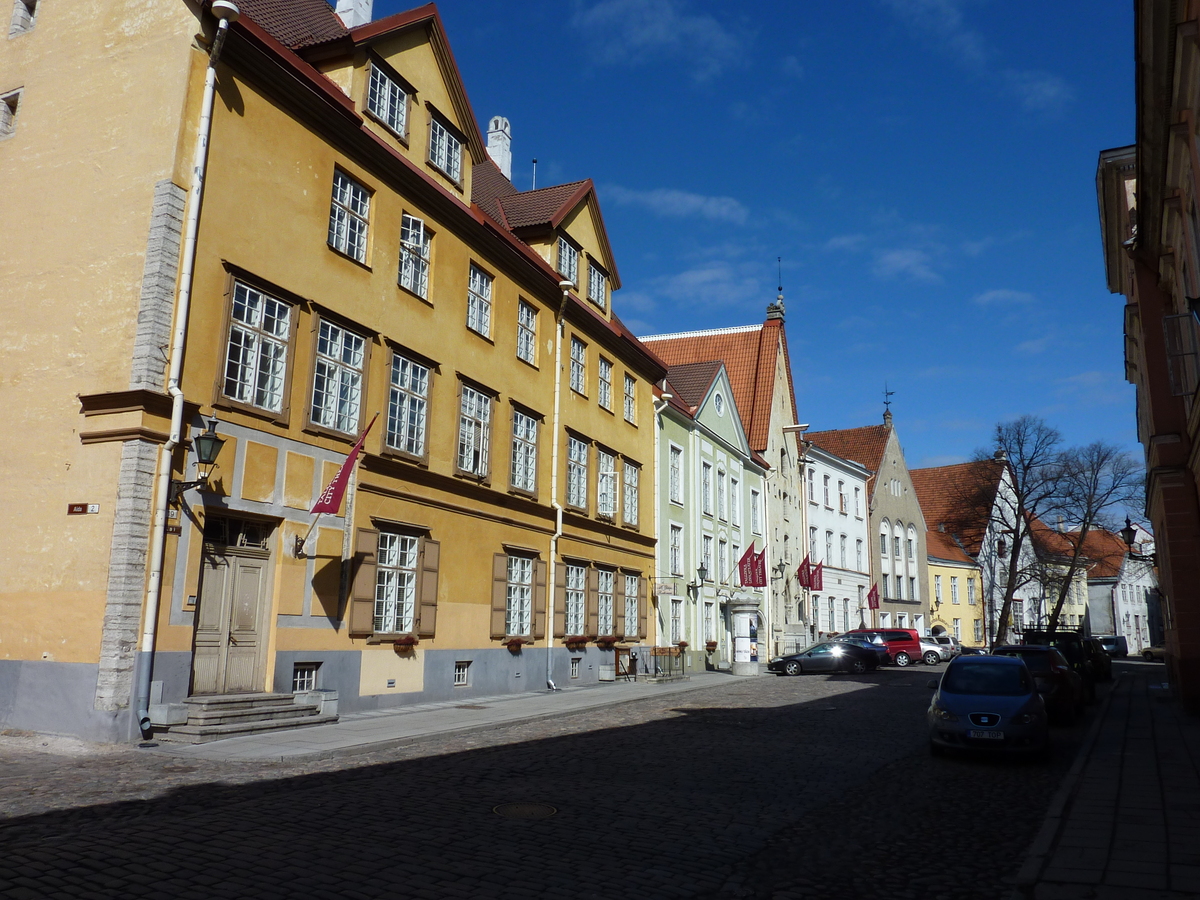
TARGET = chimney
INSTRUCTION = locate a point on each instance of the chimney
(354, 12)
(500, 144)
(887, 418)
(1000, 454)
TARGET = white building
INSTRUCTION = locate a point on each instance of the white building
(1121, 591)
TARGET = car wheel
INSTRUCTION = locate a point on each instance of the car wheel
(932, 659)
(858, 666)
(903, 659)
(791, 667)
(1147, 656)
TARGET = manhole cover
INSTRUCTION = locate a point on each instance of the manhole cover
(524, 810)
(470, 706)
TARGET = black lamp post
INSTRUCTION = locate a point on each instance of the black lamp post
(207, 446)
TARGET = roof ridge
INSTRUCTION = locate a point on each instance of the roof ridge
(735, 329)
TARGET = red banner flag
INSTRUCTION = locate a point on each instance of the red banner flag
(818, 577)
(330, 500)
(873, 597)
(804, 574)
(747, 569)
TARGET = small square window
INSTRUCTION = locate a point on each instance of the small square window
(23, 15)
(304, 677)
(461, 668)
(8, 112)
(575, 666)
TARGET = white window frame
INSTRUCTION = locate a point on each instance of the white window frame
(937, 588)
(523, 470)
(722, 561)
(676, 621)
(462, 669)
(568, 260)
(858, 502)
(387, 101)
(755, 514)
(706, 497)
(630, 399)
(479, 301)
(604, 369)
(957, 629)
(721, 494)
(606, 484)
(709, 632)
(954, 590)
(445, 150)
(675, 559)
(578, 366)
(474, 431)
(256, 355)
(978, 631)
(576, 600)
(843, 501)
(858, 555)
(577, 475)
(631, 475)
(706, 554)
(349, 217)
(606, 621)
(337, 378)
(735, 503)
(397, 574)
(842, 551)
(597, 285)
(408, 406)
(970, 591)
(415, 243)
(675, 473)
(526, 331)
(631, 606)
(518, 605)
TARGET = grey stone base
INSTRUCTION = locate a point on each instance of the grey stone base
(59, 698)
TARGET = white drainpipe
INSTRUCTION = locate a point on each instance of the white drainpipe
(554, 501)
(226, 13)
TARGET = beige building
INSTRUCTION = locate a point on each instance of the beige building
(356, 252)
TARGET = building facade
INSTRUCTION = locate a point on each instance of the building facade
(955, 591)
(1121, 591)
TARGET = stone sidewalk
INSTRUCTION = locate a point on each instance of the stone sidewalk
(378, 730)
(1125, 825)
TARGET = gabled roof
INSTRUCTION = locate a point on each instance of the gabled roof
(1107, 553)
(864, 445)
(750, 353)
(960, 497)
(545, 207)
(488, 187)
(690, 382)
(942, 546)
(296, 23)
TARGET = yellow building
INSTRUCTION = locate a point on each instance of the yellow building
(356, 252)
(955, 591)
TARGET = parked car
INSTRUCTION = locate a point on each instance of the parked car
(1078, 654)
(1157, 652)
(1061, 687)
(950, 641)
(877, 646)
(933, 653)
(1101, 661)
(988, 702)
(827, 656)
(903, 644)
(1114, 644)
(973, 651)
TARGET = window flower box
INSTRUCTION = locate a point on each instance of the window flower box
(682, 645)
(514, 644)
(406, 643)
(710, 646)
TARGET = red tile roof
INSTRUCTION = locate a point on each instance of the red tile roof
(1106, 551)
(295, 23)
(488, 187)
(691, 381)
(960, 497)
(545, 206)
(750, 353)
(864, 445)
(940, 545)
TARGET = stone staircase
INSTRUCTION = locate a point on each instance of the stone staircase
(218, 716)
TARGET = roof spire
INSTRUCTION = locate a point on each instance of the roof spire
(887, 405)
(777, 310)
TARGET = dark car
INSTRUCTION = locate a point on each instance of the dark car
(987, 702)
(973, 651)
(878, 647)
(903, 644)
(1101, 660)
(1060, 686)
(1114, 644)
(1078, 654)
(827, 656)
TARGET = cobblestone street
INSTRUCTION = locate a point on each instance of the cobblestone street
(757, 788)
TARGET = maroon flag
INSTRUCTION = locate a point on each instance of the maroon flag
(330, 500)
(760, 570)
(873, 597)
(818, 577)
(804, 574)
(747, 567)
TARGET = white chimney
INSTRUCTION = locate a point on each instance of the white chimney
(354, 12)
(500, 144)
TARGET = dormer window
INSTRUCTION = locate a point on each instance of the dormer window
(597, 285)
(387, 101)
(568, 261)
(445, 150)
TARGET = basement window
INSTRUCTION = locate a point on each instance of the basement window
(8, 112)
(460, 673)
(304, 677)
(23, 15)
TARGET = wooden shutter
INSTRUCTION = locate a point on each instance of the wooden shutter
(560, 599)
(643, 604)
(539, 598)
(431, 552)
(593, 602)
(499, 593)
(362, 591)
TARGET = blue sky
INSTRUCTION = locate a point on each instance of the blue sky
(925, 168)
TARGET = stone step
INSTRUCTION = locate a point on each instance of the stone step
(202, 734)
(238, 701)
(251, 713)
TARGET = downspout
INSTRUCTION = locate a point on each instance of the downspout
(658, 567)
(554, 501)
(226, 13)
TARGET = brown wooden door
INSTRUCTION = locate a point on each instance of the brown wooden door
(229, 643)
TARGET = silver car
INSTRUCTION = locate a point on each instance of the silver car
(987, 702)
(933, 653)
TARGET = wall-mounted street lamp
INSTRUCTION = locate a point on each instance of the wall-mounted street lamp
(207, 446)
(1129, 535)
(701, 577)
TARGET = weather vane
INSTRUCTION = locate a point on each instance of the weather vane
(887, 402)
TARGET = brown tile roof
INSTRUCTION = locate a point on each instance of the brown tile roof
(545, 206)
(295, 23)
(864, 445)
(749, 353)
(960, 497)
(488, 186)
(940, 545)
(1107, 551)
(691, 381)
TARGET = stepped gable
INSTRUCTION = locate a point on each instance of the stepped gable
(864, 446)
(960, 497)
(295, 23)
(749, 353)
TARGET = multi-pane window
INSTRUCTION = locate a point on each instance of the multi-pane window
(604, 386)
(676, 621)
(445, 150)
(630, 475)
(858, 501)
(971, 591)
(958, 629)
(395, 583)
(842, 497)
(257, 355)
(706, 554)
(675, 476)
(304, 675)
(631, 606)
(630, 399)
(858, 562)
(577, 460)
(720, 494)
(978, 631)
(883, 544)
(597, 285)
(706, 487)
(518, 607)
(709, 631)
(607, 623)
(912, 588)
(755, 521)
(735, 502)
(896, 546)
(576, 579)
(462, 673)
(524, 452)
(812, 543)
(408, 400)
(387, 101)
(825, 489)
(526, 332)
(575, 661)
(606, 484)
(899, 587)
(842, 550)
(479, 301)
(348, 214)
(937, 588)
(578, 366)
(415, 241)
(734, 560)
(474, 431)
(676, 550)
(828, 557)
(912, 546)
(884, 583)
(568, 261)
(954, 589)
(337, 378)
(722, 562)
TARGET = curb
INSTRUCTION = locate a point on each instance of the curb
(1039, 850)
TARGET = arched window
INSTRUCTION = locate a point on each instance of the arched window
(912, 544)
(884, 531)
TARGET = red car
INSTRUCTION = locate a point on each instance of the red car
(903, 644)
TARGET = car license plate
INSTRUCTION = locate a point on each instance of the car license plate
(987, 735)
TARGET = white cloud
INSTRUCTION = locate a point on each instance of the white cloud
(632, 32)
(1034, 346)
(1003, 297)
(911, 262)
(1095, 388)
(1040, 91)
(681, 204)
(845, 242)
